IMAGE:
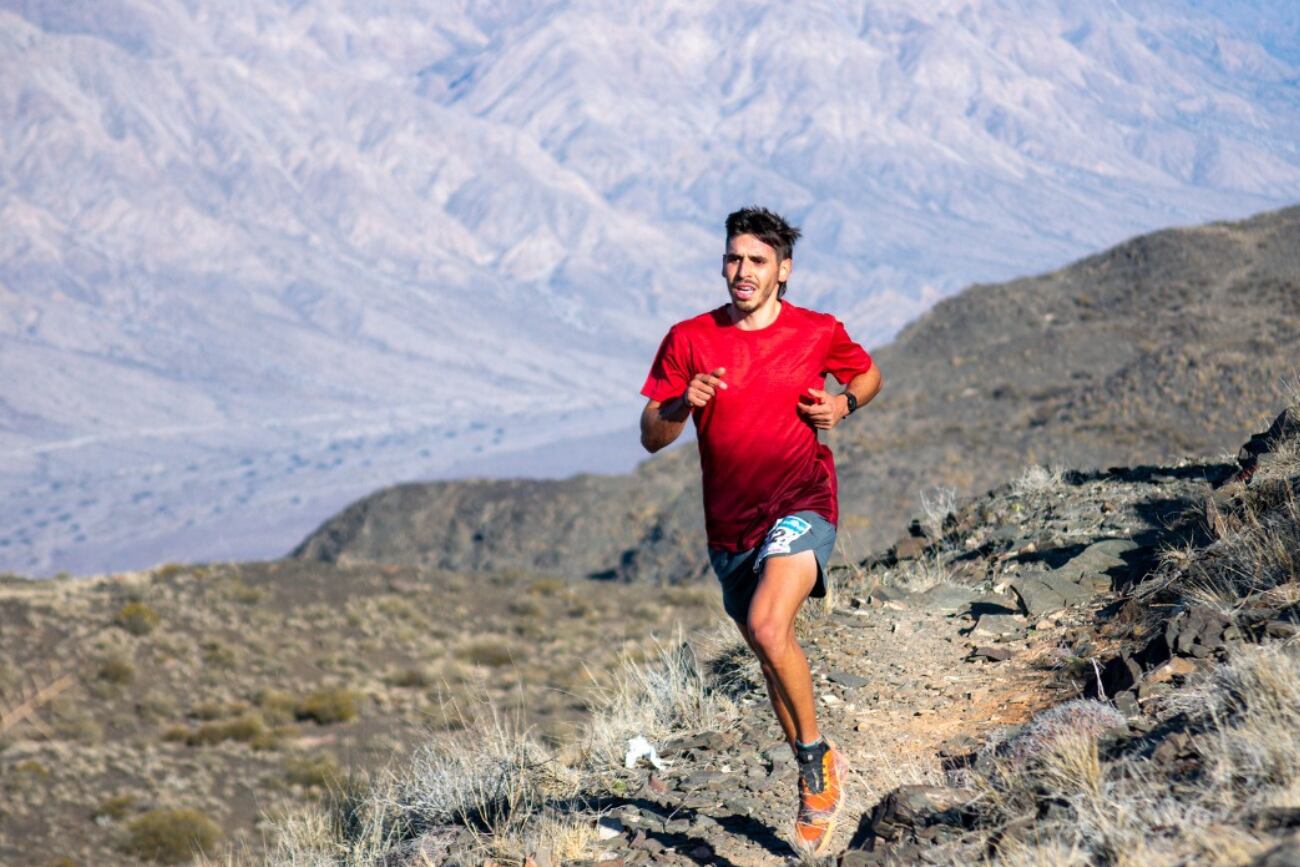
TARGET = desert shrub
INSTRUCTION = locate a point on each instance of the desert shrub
(512, 795)
(1050, 778)
(115, 808)
(690, 595)
(116, 669)
(525, 607)
(176, 733)
(137, 618)
(169, 570)
(311, 772)
(410, 678)
(326, 706)
(399, 608)
(76, 723)
(32, 768)
(170, 836)
(646, 612)
(487, 652)
(548, 587)
(1079, 718)
(237, 590)
(276, 706)
(218, 654)
(246, 728)
(210, 709)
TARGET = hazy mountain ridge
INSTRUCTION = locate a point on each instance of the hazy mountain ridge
(1164, 346)
(237, 232)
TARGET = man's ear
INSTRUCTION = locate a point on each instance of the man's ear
(724, 265)
(783, 270)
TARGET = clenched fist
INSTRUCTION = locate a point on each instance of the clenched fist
(826, 411)
(704, 386)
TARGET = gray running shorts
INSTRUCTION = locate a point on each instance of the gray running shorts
(739, 571)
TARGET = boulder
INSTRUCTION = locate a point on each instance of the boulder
(945, 598)
(1286, 426)
(1036, 597)
(908, 811)
(999, 626)
(992, 654)
(848, 680)
(1196, 632)
(1099, 557)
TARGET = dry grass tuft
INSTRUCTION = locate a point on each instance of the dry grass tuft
(1256, 550)
(1038, 479)
(669, 695)
(919, 575)
(937, 504)
(493, 791)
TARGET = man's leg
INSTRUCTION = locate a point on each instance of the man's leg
(782, 588)
(774, 692)
(784, 584)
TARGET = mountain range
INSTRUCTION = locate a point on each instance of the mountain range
(258, 259)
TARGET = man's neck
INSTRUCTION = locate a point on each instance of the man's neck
(755, 320)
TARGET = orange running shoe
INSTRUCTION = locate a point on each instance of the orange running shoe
(821, 796)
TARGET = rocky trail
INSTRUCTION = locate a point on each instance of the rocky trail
(951, 640)
(897, 687)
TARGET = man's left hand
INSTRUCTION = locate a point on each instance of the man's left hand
(827, 411)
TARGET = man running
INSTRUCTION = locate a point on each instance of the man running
(752, 373)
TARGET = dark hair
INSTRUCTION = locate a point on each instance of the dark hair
(768, 227)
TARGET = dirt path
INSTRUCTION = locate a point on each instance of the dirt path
(894, 685)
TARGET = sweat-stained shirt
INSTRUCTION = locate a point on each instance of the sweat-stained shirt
(761, 460)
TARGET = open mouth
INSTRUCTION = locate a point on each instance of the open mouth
(744, 291)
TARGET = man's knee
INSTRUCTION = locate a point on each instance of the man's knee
(770, 635)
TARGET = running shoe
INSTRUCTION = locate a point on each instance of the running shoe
(821, 796)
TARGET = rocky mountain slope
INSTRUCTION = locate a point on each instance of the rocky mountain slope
(1077, 668)
(962, 669)
(1166, 345)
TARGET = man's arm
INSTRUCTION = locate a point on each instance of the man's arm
(831, 409)
(661, 423)
(864, 387)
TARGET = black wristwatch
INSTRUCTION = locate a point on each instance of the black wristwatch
(853, 401)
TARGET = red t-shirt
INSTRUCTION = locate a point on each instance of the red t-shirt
(761, 460)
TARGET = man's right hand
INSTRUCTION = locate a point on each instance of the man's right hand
(704, 386)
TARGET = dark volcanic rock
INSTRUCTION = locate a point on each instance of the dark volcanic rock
(912, 813)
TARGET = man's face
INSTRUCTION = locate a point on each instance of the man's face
(753, 273)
